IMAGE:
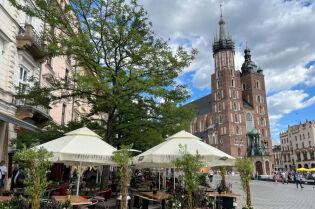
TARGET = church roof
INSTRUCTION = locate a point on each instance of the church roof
(202, 105)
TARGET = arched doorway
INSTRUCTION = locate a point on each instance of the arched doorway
(267, 167)
(299, 166)
(258, 166)
(305, 166)
(312, 165)
(290, 167)
(286, 167)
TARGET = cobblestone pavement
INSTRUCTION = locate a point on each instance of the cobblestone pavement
(270, 195)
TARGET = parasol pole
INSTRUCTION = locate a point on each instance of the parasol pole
(78, 184)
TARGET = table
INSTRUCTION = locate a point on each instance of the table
(160, 196)
(75, 200)
(5, 198)
(226, 200)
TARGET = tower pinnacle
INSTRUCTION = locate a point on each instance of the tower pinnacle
(222, 23)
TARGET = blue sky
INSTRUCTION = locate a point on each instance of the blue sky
(280, 34)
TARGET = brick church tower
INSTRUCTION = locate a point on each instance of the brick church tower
(236, 105)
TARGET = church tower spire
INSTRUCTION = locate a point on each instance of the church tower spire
(222, 23)
(224, 42)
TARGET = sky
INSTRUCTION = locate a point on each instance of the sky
(280, 34)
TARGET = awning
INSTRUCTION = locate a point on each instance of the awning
(11, 119)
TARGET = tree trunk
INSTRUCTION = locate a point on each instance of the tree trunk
(105, 177)
(248, 200)
(124, 189)
(189, 198)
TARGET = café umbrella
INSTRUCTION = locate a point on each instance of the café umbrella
(164, 154)
(80, 147)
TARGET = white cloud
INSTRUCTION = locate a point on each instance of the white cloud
(285, 102)
(280, 35)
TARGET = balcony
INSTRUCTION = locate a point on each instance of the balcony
(38, 114)
(29, 40)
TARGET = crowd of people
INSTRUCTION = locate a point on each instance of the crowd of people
(293, 176)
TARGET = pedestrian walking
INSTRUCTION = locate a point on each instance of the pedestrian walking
(3, 172)
(284, 177)
(298, 180)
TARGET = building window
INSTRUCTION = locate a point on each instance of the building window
(303, 136)
(23, 80)
(295, 138)
(223, 58)
(237, 130)
(258, 99)
(243, 86)
(232, 72)
(309, 143)
(297, 146)
(235, 107)
(63, 116)
(234, 94)
(258, 84)
(233, 85)
(235, 118)
(218, 84)
(217, 61)
(308, 135)
(231, 60)
(201, 125)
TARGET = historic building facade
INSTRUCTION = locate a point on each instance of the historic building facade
(298, 146)
(236, 105)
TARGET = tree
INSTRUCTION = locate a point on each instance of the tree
(122, 158)
(36, 167)
(190, 164)
(129, 73)
(245, 167)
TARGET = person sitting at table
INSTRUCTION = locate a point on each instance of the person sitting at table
(18, 179)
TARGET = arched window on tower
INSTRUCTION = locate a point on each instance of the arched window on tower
(232, 72)
(243, 86)
(231, 60)
(217, 61)
(224, 58)
(233, 84)
(258, 84)
(201, 125)
(218, 84)
(235, 118)
(237, 130)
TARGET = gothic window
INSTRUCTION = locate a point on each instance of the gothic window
(218, 84)
(234, 94)
(235, 107)
(258, 85)
(231, 60)
(303, 136)
(217, 61)
(235, 142)
(235, 118)
(219, 107)
(249, 122)
(258, 99)
(243, 86)
(237, 130)
(260, 109)
(232, 72)
(223, 58)
(220, 118)
(233, 83)
(261, 121)
(201, 125)
(222, 95)
(302, 144)
(308, 135)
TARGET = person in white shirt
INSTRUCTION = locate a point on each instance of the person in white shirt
(3, 172)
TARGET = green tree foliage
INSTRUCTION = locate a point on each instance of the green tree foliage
(128, 73)
(36, 167)
(190, 164)
(122, 158)
(245, 167)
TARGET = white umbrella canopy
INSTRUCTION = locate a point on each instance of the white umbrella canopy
(164, 154)
(81, 145)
